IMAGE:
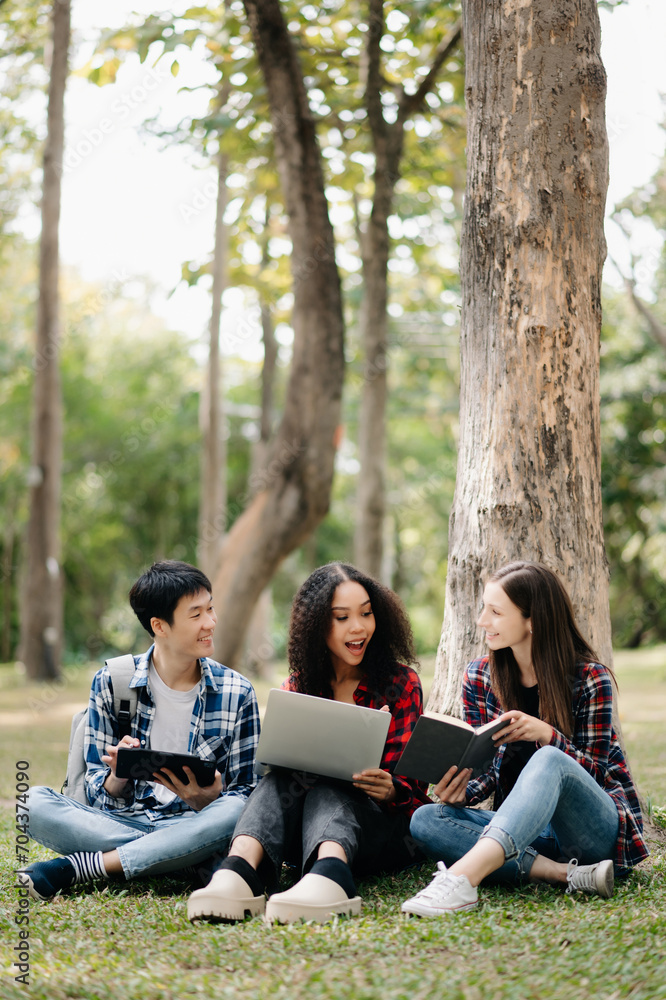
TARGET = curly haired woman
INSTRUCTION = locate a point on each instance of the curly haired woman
(349, 640)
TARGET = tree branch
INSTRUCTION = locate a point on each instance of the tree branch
(410, 103)
(657, 328)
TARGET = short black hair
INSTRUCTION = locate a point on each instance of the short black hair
(157, 592)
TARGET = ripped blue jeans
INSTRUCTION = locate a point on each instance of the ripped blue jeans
(555, 809)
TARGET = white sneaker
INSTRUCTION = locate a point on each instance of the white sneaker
(446, 893)
(227, 897)
(596, 879)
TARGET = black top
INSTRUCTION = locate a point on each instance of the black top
(517, 754)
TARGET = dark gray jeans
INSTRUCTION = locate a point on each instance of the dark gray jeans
(291, 813)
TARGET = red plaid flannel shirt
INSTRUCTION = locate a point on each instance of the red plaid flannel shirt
(404, 697)
(594, 745)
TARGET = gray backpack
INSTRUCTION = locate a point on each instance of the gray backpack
(125, 701)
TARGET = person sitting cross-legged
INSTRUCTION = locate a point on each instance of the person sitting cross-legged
(187, 702)
(565, 808)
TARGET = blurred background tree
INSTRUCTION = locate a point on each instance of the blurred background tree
(132, 387)
(633, 386)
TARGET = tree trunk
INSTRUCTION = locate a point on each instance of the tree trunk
(267, 383)
(259, 650)
(388, 143)
(213, 496)
(7, 569)
(42, 604)
(293, 492)
(529, 480)
(371, 504)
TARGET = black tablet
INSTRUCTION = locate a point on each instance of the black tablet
(141, 764)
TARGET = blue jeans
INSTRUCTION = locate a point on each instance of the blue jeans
(555, 809)
(145, 847)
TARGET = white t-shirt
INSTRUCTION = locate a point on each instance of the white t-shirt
(171, 723)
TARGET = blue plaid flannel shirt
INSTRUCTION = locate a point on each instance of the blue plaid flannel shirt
(224, 728)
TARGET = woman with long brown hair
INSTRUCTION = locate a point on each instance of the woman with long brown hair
(562, 790)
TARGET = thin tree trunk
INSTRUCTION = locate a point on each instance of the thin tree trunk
(293, 493)
(529, 476)
(267, 382)
(388, 143)
(371, 503)
(213, 493)
(42, 604)
(259, 651)
(7, 583)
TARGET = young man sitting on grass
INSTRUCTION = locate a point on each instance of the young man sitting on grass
(187, 702)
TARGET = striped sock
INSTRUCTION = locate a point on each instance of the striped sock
(87, 866)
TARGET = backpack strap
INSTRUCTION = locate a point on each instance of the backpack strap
(125, 701)
(125, 698)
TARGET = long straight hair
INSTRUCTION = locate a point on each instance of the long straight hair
(557, 644)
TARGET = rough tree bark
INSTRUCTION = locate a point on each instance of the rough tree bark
(213, 493)
(42, 599)
(528, 479)
(295, 486)
(388, 143)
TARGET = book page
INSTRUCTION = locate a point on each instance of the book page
(451, 719)
(490, 725)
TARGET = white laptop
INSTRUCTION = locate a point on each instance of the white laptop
(332, 738)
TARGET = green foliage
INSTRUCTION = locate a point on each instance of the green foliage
(131, 469)
(330, 39)
(633, 388)
(421, 426)
(24, 35)
(633, 463)
(423, 362)
(130, 490)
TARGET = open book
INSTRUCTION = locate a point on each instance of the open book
(440, 741)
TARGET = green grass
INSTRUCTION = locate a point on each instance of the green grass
(132, 940)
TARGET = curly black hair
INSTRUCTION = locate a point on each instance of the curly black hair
(309, 658)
